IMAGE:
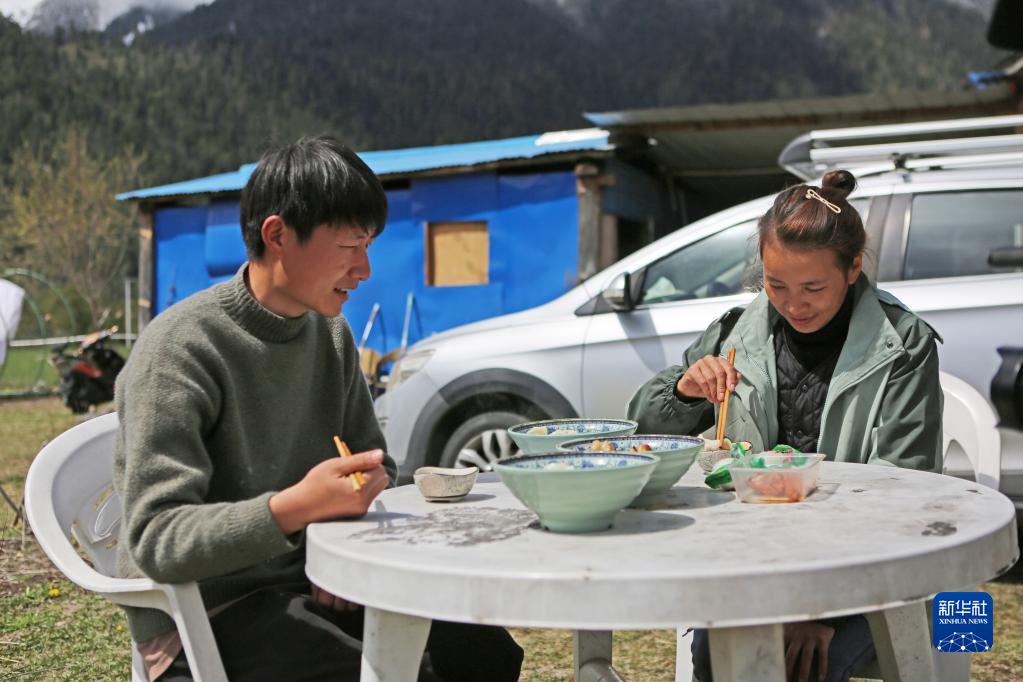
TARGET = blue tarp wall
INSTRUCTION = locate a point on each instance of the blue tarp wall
(533, 238)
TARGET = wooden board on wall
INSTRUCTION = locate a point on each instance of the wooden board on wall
(457, 253)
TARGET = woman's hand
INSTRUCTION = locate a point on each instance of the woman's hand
(326, 492)
(802, 641)
(708, 378)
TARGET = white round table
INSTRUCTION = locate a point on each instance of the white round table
(872, 539)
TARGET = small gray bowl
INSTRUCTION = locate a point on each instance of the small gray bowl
(440, 484)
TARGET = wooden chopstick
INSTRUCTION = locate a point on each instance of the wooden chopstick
(723, 413)
(358, 480)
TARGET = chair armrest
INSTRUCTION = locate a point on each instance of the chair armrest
(197, 639)
(182, 602)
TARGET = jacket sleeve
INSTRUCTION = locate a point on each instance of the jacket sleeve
(908, 428)
(656, 406)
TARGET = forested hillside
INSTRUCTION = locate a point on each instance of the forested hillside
(207, 91)
(160, 97)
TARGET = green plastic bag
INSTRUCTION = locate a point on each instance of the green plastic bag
(721, 478)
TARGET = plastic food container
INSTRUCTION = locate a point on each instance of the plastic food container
(773, 477)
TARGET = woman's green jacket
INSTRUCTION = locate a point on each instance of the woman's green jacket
(883, 404)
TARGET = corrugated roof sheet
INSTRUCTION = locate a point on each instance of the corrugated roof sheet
(797, 108)
(411, 160)
(707, 143)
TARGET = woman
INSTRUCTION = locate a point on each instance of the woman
(824, 362)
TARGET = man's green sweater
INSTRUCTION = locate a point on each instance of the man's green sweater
(221, 404)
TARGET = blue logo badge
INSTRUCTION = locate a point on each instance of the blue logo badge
(964, 621)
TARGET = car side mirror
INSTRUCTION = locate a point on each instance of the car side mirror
(1006, 257)
(1007, 388)
(1003, 27)
(618, 294)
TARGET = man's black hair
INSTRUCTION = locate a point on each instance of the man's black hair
(312, 182)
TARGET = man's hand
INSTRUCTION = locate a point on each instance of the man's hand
(324, 598)
(326, 492)
(707, 378)
(802, 640)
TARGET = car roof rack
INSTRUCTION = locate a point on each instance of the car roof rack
(812, 154)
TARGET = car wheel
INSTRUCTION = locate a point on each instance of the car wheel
(481, 441)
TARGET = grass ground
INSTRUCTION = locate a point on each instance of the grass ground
(27, 368)
(52, 630)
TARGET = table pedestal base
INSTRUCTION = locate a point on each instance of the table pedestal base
(591, 657)
(902, 640)
(392, 646)
(748, 654)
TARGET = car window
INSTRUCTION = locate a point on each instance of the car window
(714, 266)
(951, 234)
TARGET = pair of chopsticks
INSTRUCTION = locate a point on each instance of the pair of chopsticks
(357, 479)
(723, 412)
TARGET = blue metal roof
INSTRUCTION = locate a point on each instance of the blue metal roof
(411, 160)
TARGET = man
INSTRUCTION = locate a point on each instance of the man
(228, 406)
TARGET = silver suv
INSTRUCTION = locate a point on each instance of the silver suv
(937, 215)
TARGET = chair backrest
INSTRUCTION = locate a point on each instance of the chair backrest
(968, 419)
(69, 491)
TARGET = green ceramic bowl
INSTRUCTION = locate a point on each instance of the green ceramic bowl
(547, 435)
(675, 452)
(576, 492)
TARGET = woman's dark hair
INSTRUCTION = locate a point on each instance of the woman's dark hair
(315, 181)
(798, 220)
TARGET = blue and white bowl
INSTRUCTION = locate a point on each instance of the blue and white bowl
(675, 452)
(547, 435)
(576, 492)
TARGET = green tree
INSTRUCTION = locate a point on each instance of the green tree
(62, 219)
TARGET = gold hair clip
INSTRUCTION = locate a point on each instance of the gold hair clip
(811, 194)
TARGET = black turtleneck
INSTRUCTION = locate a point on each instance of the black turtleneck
(805, 364)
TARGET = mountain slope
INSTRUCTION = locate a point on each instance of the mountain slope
(139, 20)
(208, 90)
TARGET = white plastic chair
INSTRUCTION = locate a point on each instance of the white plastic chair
(967, 419)
(69, 492)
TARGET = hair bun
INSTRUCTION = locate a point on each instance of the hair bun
(838, 184)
